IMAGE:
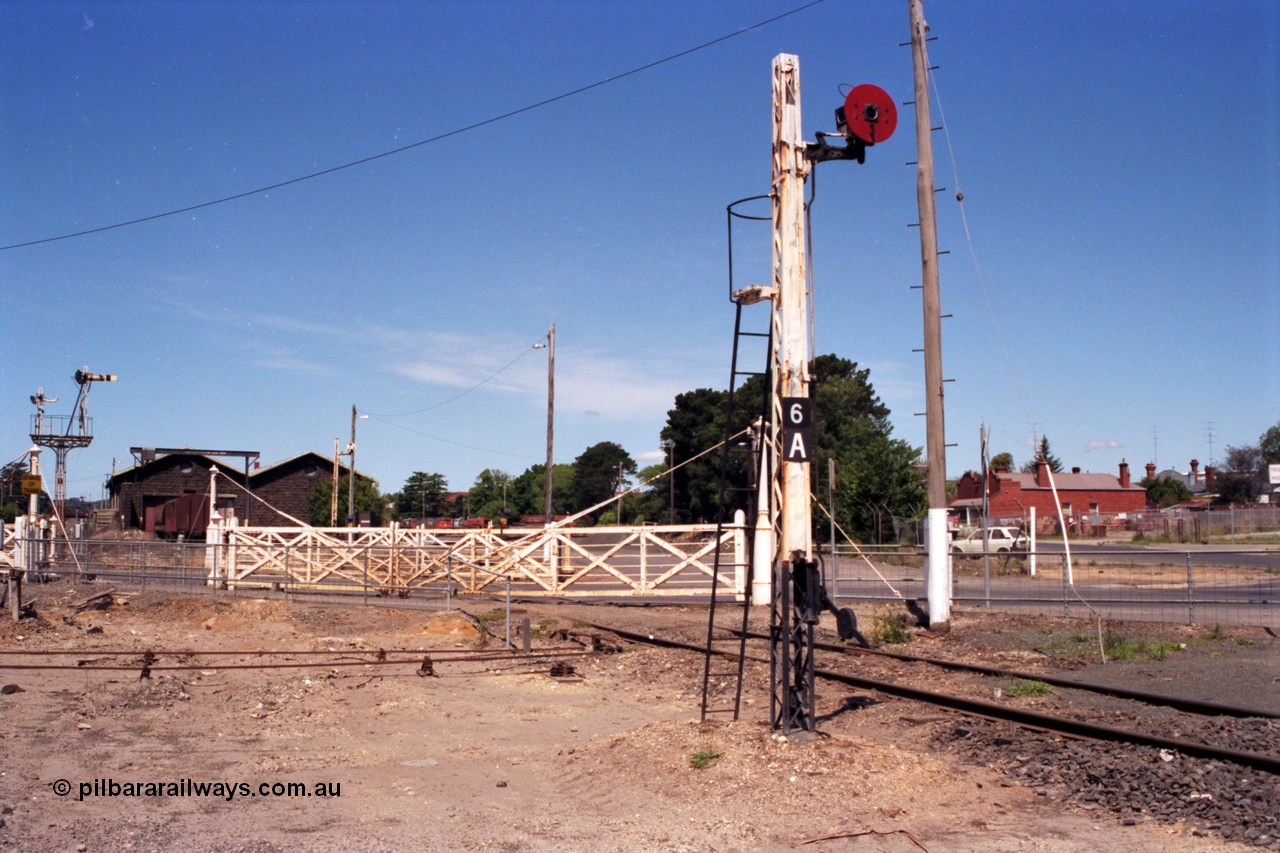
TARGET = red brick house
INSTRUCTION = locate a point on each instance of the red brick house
(1011, 496)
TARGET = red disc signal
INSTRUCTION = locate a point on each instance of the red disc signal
(870, 113)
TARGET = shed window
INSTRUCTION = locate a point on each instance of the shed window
(186, 467)
(310, 470)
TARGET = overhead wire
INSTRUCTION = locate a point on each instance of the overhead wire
(449, 440)
(982, 282)
(430, 140)
(1013, 374)
(491, 376)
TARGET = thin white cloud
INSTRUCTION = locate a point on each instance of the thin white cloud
(279, 359)
(1102, 445)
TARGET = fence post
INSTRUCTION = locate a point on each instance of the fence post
(448, 584)
(644, 561)
(364, 586)
(1191, 600)
(288, 578)
(508, 611)
(144, 565)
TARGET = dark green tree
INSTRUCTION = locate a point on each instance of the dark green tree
(649, 504)
(1002, 461)
(1043, 452)
(695, 424)
(12, 502)
(367, 499)
(851, 426)
(1269, 445)
(527, 493)
(422, 496)
(876, 482)
(1243, 477)
(599, 472)
(1165, 491)
(489, 494)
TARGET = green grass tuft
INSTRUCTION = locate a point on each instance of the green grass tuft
(702, 759)
(1028, 689)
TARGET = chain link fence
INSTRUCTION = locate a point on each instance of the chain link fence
(1224, 586)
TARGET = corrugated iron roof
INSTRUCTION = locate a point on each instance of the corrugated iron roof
(1072, 482)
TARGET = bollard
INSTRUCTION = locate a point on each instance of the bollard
(526, 631)
(1191, 600)
(1066, 601)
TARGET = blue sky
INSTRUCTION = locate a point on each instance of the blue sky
(1120, 164)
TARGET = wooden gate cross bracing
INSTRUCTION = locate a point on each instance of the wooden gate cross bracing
(567, 562)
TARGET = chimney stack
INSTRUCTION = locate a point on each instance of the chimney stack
(1151, 470)
(1075, 470)
(1042, 474)
(1210, 477)
(1195, 471)
(1124, 474)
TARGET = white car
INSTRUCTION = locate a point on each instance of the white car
(1000, 540)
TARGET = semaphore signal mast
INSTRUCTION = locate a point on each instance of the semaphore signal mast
(63, 433)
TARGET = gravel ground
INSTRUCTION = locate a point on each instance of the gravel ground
(498, 756)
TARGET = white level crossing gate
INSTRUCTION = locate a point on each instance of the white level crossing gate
(676, 560)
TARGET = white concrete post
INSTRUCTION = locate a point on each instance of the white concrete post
(1031, 544)
(938, 567)
(739, 552)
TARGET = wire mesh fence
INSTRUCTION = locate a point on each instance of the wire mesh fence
(191, 567)
(1167, 584)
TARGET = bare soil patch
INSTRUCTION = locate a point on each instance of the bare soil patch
(488, 755)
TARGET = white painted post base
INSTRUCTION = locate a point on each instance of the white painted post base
(937, 571)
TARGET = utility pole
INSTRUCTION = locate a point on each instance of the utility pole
(351, 475)
(937, 554)
(333, 485)
(551, 414)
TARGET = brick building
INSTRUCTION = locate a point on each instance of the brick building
(1011, 496)
(278, 491)
(287, 486)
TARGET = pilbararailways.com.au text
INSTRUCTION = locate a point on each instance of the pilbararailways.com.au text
(191, 788)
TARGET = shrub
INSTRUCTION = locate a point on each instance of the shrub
(889, 626)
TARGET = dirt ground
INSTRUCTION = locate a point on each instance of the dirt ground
(484, 755)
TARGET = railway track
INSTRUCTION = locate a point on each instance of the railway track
(1002, 712)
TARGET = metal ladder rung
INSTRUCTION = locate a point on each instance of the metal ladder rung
(734, 676)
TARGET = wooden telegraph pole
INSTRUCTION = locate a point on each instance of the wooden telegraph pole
(551, 417)
(937, 565)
